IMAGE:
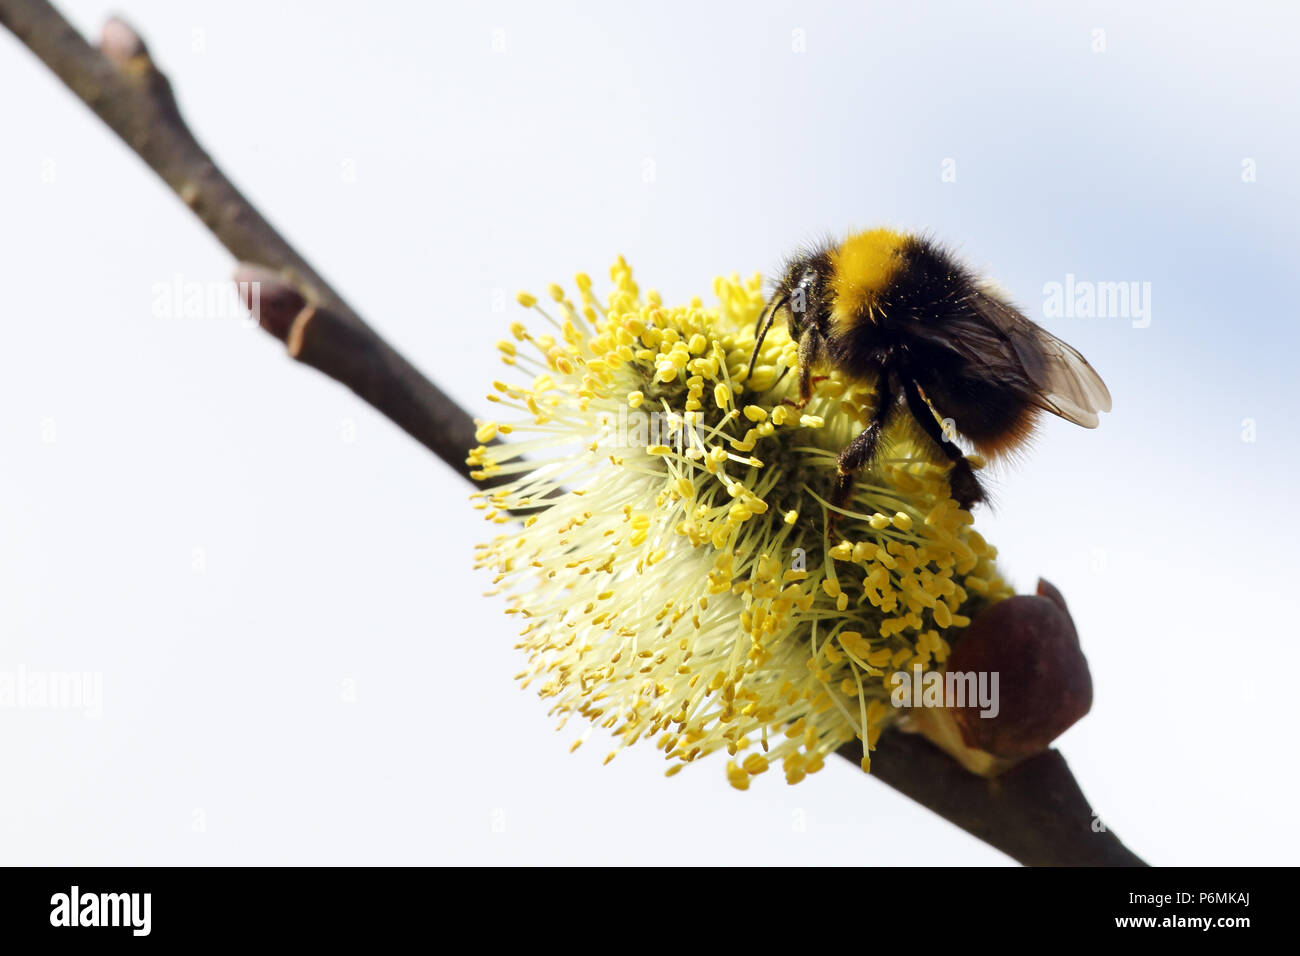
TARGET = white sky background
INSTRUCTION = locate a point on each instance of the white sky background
(129, 441)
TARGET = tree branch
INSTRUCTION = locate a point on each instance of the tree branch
(1035, 812)
(122, 85)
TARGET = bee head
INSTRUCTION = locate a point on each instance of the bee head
(796, 296)
(800, 289)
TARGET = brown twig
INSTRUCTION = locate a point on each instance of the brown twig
(1035, 813)
(120, 82)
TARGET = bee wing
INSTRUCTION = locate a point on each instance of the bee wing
(1063, 382)
(1073, 388)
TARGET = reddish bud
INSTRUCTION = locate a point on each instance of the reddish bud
(274, 301)
(1043, 678)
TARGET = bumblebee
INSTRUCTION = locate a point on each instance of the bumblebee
(897, 310)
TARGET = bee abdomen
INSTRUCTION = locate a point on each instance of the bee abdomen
(992, 417)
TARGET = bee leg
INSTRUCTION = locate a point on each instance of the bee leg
(965, 487)
(861, 450)
(811, 350)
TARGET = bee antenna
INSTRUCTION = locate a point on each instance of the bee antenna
(761, 328)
